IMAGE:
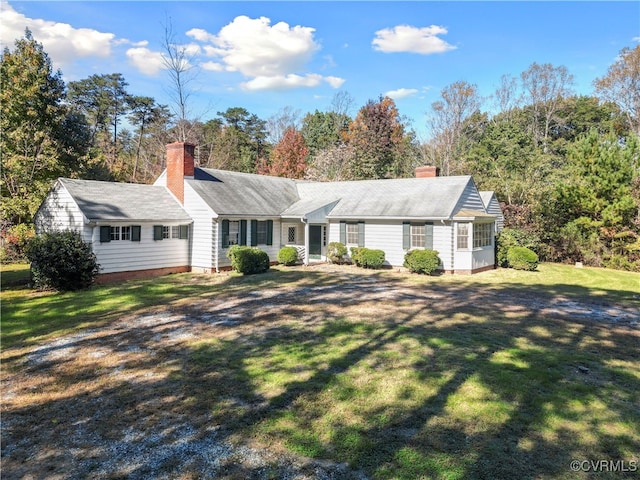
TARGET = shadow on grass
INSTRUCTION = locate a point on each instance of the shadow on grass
(380, 377)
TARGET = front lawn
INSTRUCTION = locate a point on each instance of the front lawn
(499, 375)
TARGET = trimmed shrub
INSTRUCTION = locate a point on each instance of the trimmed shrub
(422, 261)
(62, 261)
(288, 256)
(522, 258)
(248, 260)
(513, 237)
(336, 252)
(367, 258)
(355, 255)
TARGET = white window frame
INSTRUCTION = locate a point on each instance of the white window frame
(418, 235)
(115, 233)
(352, 234)
(261, 234)
(482, 235)
(125, 233)
(234, 232)
(462, 232)
(292, 235)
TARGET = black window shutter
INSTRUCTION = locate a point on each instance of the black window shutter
(406, 235)
(254, 233)
(105, 233)
(184, 231)
(243, 232)
(225, 233)
(361, 234)
(269, 232)
(135, 233)
(157, 232)
(428, 235)
(343, 233)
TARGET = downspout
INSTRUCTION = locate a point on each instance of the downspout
(306, 241)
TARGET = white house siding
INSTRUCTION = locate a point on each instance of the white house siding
(60, 212)
(126, 255)
(494, 209)
(272, 250)
(203, 229)
(470, 199)
(483, 258)
(443, 243)
(387, 236)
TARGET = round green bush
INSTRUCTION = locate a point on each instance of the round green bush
(248, 260)
(513, 237)
(62, 261)
(288, 256)
(522, 258)
(422, 261)
(367, 258)
(336, 252)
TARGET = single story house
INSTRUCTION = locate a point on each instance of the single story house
(191, 216)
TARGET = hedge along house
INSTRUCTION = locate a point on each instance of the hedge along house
(191, 216)
(446, 214)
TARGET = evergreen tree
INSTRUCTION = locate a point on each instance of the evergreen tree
(41, 139)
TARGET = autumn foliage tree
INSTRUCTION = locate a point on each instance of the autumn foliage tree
(377, 135)
(288, 157)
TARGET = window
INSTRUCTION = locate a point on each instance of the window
(291, 235)
(165, 232)
(262, 232)
(417, 236)
(175, 231)
(482, 234)
(109, 233)
(463, 236)
(234, 230)
(352, 234)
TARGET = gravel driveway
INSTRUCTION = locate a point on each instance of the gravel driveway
(79, 406)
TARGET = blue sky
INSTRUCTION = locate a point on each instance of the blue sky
(265, 56)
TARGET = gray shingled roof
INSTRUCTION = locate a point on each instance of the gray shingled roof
(235, 193)
(393, 198)
(110, 201)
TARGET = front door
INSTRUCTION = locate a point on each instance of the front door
(315, 241)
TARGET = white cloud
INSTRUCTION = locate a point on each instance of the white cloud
(636, 39)
(255, 48)
(272, 57)
(145, 60)
(401, 93)
(405, 38)
(62, 42)
(290, 81)
(212, 66)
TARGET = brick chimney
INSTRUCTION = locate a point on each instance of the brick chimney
(427, 171)
(180, 164)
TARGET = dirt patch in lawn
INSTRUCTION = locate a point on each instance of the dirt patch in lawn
(119, 402)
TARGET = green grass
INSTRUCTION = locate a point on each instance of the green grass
(440, 380)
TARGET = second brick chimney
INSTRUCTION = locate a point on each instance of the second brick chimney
(428, 171)
(180, 164)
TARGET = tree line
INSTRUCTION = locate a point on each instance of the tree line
(565, 167)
